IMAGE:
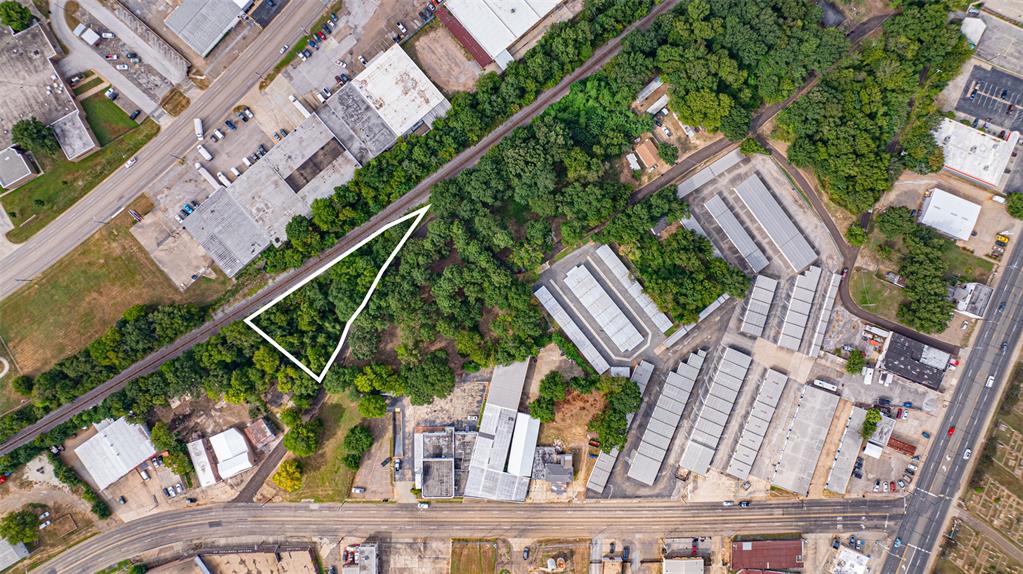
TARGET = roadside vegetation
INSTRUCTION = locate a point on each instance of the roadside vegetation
(871, 117)
(175, 102)
(107, 120)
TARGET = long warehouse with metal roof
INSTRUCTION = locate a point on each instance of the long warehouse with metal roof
(611, 319)
(800, 307)
(621, 272)
(664, 419)
(736, 233)
(759, 420)
(759, 305)
(569, 326)
(795, 249)
(718, 399)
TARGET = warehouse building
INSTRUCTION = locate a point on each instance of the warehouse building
(390, 98)
(794, 248)
(976, 156)
(949, 214)
(972, 299)
(717, 400)
(10, 554)
(32, 87)
(755, 429)
(117, 448)
(440, 460)
(754, 319)
(487, 28)
(502, 457)
(203, 23)
(201, 463)
(915, 361)
(14, 169)
(848, 451)
(572, 330)
(804, 440)
(736, 233)
(800, 307)
(232, 452)
(605, 311)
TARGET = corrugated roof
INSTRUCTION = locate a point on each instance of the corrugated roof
(114, 451)
(797, 315)
(757, 422)
(571, 329)
(723, 389)
(950, 214)
(201, 463)
(736, 233)
(795, 249)
(609, 316)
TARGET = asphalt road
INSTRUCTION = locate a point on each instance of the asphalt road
(153, 160)
(188, 530)
(91, 212)
(944, 473)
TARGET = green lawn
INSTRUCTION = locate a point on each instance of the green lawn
(32, 206)
(874, 294)
(325, 478)
(88, 84)
(106, 119)
(967, 265)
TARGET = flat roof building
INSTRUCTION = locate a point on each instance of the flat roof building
(949, 214)
(976, 156)
(32, 87)
(494, 25)
(804, 440)
(767, 554)
(232, 452)
(972, 299)
(14, 168)
(117, 448)
(201, 463)
(203, 23)
(916, 361)
(10, 554)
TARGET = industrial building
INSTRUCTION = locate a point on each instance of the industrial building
(915, 361)
(365, 559)
(682, 566)
(754, 319)
(365, 117)
(794, 248)
(817, 344)
(635, 290)
(850, 561)
(976, 156)
(771, 555)
(553, 467)
(117, 448)
(707, 174)
(440, 460)
(14, 169)
(502, 457)
(800, 306)
(203, 23)
(604, 310)
(848, 451)
(201, 463)
(572, 330)
(665, 418)
(232, 452)
(755, 429)
(32, 87)
(487, 28)
(972, 299)
(736, 233)
(804, 439)
(949, 214)
(10, 554)
(715, 407)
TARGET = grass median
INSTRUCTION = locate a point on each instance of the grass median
(34, 205)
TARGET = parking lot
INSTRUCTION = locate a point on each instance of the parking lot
(1001, 44)
(994, 98)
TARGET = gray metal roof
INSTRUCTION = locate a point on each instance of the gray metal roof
(795, 249)
(610, 318)
(11, 553)
(664, 419)
(796, 317)
(571, 329)
(804, 440)
(621, 272)
(825, 317)
(719, 400)
(506, 385)
(13, 167)
(848, 450)
(202, 23)
(736, 233)
(708, 173)
(759, 305)
(757, 422)
(602, 470)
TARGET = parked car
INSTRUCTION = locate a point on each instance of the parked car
(743, 504)
(926, 434)
(107, 35)
(401, 27)
(248, 113)
(358, 490)
(625, 554)
(145, 474)
(187, 209)
(423, 505)
(277, 137)
(386, 461)
(122, 67)
(525, 553)
(44, 525)
(44, 515)
(884, 487)
(131, 56)
(242, 117)
(111, 57)
(111, 94)
(284, 48)
(230, 125)
(321, 36)
(901, 483)
(179, 489)
(877, 486)
(134, 115)
(333, 17)
(728, 503)
(891, 485)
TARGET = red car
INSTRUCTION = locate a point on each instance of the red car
(321, 36)
(892, 485)
(951, 430)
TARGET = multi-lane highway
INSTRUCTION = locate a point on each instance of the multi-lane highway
(91, 212)
(945, 471)
(237, 524)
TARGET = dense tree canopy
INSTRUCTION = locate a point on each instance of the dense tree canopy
(289, 475)
(33, 135)
(15, 15)
(20, 526)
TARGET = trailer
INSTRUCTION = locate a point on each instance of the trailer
(198, 129)
(223, 179)
(205, 173)
(299, 106)
(205, 153)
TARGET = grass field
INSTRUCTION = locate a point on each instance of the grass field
(91, 287)
(473, 557)
(875, 295)
(87, 83)
(106, 119)
(175, 102)
(325, 478)
(32, 206)
(967, 265)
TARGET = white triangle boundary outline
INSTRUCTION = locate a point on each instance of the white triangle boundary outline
(417, 215)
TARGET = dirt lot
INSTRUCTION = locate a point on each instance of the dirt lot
(575, 553)
(445, 61)
(474, 556)
(376, 479)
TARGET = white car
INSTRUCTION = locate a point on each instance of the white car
(990, 381)
(284, 48)
(727, 503)
(423, 505)
(877, 486)
(967, 453)
(884, 486)
(131, 162)
(122, 67)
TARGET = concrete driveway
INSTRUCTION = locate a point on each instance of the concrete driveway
(152, 56)
(82, 58)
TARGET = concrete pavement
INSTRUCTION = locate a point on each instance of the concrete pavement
(149, 55)
(91, 212)
(237, 524)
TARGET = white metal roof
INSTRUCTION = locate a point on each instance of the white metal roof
(795, 249)
(723, 390)
(506, 385)
(759, 305)
(609, 316)
(202, 23)
(118, 447)
(520, 457)
(13, 167)
(973, 154)
(569, 326)
(759, 419)
(496, 24)
(736, 233)
(621, 272)
(11, 553)
(398, 90)
(798, 313)
(973, 29)
(201, 463)
(232, 452)
(950, 214)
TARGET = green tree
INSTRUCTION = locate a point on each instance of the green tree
(856, 235)
(381, 378)
(289, 476)
(352, 460)
(372, 406)
(359, 439)
(668, 153)
(428, 379)
(303, 438)
(34, 135)
(1014, 205)
(22, 384)
(870, 422)
(15, 15)
(20, 526)
(855, 362)
(750, 146)
(896, 221)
